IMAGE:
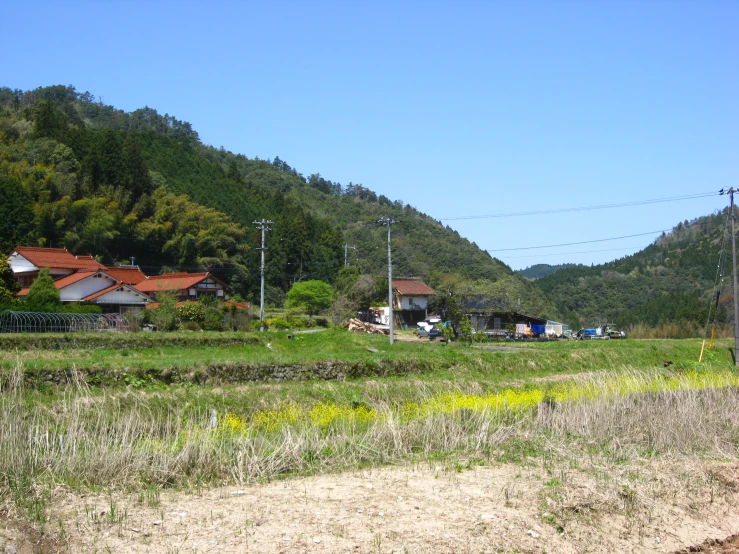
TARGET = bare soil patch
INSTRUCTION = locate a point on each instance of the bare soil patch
(18, 536)
(662, 506)
(727, 546)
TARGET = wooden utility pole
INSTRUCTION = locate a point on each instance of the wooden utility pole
(263, 226)
(731, 192)
(389, 221)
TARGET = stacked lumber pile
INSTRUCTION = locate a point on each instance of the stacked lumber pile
(361, 326)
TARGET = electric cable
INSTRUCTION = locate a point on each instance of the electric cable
(575, 243)
(583, 208)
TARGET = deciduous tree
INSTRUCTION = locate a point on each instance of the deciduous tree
(313, 296)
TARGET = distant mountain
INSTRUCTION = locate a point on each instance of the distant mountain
(99, 180)
(670, 280)
(541, 270)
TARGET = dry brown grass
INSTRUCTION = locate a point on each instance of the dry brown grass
(675, 330)
(122, 441)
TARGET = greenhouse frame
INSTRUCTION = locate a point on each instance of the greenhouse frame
(41, 322)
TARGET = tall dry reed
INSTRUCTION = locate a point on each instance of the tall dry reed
(90, 440)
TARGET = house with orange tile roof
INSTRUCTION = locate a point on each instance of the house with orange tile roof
(79, 278)
(411, 293)
(128, 274)
(411, 301)
(98, 287)
(26, 261)
(120, 288)
(411, 298)
(185, 286)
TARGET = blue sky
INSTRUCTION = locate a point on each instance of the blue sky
(458, 108)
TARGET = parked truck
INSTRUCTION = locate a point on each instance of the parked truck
(608, 331)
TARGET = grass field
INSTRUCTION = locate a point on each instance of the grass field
(596, 400)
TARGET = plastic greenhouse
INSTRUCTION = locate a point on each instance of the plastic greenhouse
(38, 322)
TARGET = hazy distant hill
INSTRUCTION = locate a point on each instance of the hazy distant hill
(538, 271)
(670, 280)
(109, 182)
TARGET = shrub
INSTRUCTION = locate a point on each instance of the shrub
(278, 323)
(191, 312)
(213, 319)
(238, 320)
(297, 322)
(165, 316)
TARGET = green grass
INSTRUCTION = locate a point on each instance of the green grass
(454, 369)
(454, 361)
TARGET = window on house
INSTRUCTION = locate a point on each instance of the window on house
(496, 323)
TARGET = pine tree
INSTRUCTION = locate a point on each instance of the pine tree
(43, 296)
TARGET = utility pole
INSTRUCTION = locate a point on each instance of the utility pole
(346, 253)
(389, 221)
(263, 226)
(731, 192)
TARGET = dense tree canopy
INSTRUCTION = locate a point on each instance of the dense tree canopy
(313, 296)
(8, 285)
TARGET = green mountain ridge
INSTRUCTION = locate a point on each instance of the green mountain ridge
(82, 174)
(538, 271)
(670, 280)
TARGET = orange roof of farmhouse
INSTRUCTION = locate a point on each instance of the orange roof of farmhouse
(412, 286)
(129, 275)
(172, 281)
(57, 257)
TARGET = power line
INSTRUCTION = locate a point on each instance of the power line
(583, 208)
(569, 253)
(581, 242)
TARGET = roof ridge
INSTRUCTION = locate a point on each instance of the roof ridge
(45, 248)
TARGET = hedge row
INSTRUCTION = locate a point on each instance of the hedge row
(115, 341)
(226, 373)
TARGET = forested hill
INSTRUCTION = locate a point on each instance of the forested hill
(99, 180)
(670, 280)
(538, 271)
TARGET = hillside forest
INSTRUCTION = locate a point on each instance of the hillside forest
(141, 187)
(684, 276)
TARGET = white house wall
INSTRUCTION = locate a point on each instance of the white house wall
(116, 296)
(419, 303)
(18, 264)
(81, 289)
